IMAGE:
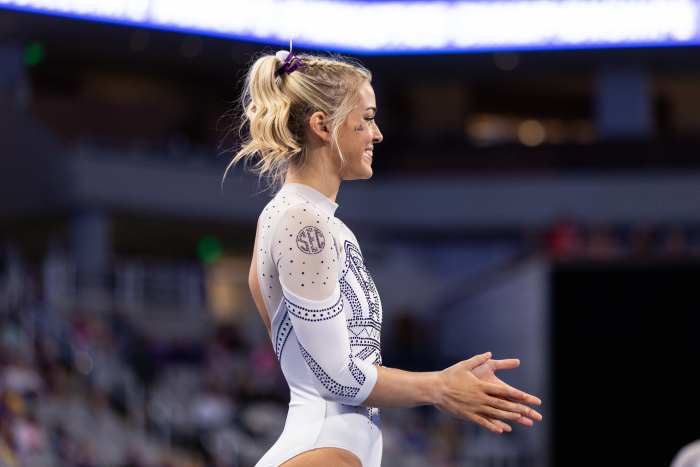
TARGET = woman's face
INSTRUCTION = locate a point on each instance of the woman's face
(357, 136)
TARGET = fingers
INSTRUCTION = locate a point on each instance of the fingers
(492, 424)
(505, 391)
(507, 364)
(512, 407)
(486, 423)
(477, 360)
(527, 398)
(502, 425)
(524, 421)
(502, 390)
(507, 428)
(492, 413)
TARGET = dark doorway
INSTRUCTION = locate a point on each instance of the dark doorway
(625, 358)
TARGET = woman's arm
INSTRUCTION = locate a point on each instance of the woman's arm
(307, 266)
(399, 388)
(455, 390)
(254, 286)
(304, 252)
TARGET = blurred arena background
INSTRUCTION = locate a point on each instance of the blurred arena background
(537, 195)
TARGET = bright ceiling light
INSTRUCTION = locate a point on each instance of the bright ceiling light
(405, 27)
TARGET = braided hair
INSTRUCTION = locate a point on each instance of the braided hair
(276, 107)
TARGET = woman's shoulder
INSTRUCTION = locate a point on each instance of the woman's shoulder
(298, 210)
(279, 204)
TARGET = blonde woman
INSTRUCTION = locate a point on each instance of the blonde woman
(310, 123)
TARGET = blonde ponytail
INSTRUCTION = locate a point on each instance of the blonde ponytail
(275, 110)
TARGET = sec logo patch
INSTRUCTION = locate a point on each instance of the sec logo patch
(310, 240)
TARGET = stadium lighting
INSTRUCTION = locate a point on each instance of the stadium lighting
(388, 27)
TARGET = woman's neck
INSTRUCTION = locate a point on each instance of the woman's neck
(318, 176)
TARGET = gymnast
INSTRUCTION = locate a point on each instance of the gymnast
(309, 122)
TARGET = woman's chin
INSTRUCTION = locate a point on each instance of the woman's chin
(364, 174)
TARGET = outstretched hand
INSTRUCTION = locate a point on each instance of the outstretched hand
(461, 393)
(487, 372)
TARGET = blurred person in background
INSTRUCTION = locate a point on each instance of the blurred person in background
(310, 122)
(688, 456)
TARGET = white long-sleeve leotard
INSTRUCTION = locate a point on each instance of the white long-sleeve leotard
(326, 320)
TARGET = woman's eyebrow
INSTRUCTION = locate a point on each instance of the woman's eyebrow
(371, 108)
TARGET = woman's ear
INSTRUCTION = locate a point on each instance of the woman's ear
(319, 126)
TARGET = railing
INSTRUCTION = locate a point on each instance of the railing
(130, 285)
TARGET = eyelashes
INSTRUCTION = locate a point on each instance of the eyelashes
(370, 121)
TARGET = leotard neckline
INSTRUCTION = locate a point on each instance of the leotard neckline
(321, 200)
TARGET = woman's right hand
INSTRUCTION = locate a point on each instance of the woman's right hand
(463, 395)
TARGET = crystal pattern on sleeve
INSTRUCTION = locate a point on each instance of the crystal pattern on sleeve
(306, 257)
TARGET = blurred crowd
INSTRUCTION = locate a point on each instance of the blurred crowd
(87, 388)
(81, 387)
(569, 239)
(90, 391)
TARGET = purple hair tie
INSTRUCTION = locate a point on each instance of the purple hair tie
(291, 62)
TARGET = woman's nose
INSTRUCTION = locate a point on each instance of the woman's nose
(378, 137)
